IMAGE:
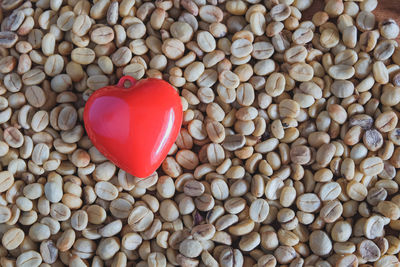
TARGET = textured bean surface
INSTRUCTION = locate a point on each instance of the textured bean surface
(287, 155)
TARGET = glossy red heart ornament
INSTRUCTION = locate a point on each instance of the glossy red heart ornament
(134, 127)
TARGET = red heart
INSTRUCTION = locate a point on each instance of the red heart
(134, 127)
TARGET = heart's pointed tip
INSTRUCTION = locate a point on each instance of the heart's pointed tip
(140, 173)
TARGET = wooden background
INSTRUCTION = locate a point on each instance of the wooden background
(385, 9)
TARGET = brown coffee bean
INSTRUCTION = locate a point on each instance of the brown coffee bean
(8, 39)
(233, 142)
(300, 154)
(193, 188)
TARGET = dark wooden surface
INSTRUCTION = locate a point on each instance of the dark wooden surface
(385, 9)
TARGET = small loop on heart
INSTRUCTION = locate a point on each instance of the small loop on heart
(126, 82)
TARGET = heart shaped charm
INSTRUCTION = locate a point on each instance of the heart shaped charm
(135, 126)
